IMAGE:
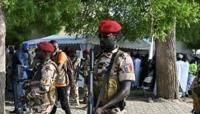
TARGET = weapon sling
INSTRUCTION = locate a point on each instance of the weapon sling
(105, 81)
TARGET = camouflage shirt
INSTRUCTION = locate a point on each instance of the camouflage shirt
(85, 67)
(42, 95)
(196, 95)
(122, 69)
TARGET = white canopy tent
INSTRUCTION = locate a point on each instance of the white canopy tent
(83, 42)
(61, 39)
(74, 40)
(182, 48)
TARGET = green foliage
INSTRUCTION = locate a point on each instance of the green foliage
(164, 12)
(128, 12)
(191, 35)
(139, 18)
(19, 15)
(43, 16)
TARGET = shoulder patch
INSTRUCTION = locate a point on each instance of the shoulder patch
(128, 68)
(126, 63)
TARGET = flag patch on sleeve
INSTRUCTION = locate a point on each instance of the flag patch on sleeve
(128, 68)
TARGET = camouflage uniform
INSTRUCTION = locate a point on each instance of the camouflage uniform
(85, 69)
(74, 87)
(196, 95)
(122, 69)
(42, 95)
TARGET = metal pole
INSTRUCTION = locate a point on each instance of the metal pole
(90, 85)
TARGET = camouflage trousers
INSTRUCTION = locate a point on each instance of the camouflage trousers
(39, 110)
(196, 96)
(75, 93)
(85, 90)
(196, 104)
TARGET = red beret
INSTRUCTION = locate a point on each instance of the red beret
(109, 26)
(46, 46)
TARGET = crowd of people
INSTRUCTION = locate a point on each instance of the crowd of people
(186, 68)
(187, 71)
(27, 69)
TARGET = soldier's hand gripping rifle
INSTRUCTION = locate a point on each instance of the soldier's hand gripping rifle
(90, 85)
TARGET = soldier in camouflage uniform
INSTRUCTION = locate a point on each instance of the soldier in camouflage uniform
(74, 87)
(85, 71)
(75, 61)
(41, 92)
(196, 94)
(119, 81)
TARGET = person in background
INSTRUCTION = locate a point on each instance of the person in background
(144, 68)
(62, 81)
(85, 72)
(9, 55)
(137, 68)
(25, 61)
(192, 74)
(75, 61)
(179, 69)
(19, 65)
(184, 76)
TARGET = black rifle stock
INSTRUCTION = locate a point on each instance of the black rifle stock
(90, 84)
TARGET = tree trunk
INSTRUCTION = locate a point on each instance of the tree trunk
(167, 86)
(2, 59)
